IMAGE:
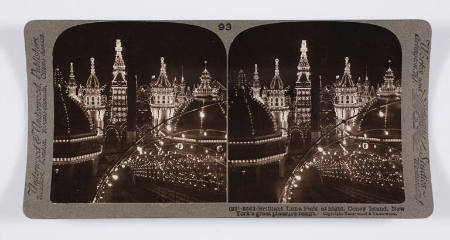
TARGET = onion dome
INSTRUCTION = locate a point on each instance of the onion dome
(253, 139)
(92, 81)
(276, 83)
(346, 80)
(74, 138)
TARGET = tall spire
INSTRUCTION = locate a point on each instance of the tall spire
(347, 66)
(72, 84)
(72, 81)
(92, 65)
(182, 75)
(277, 70)
(119, 65)
(367, 77)
(92, 81)
(277, 83)
(256, 83)
(303, 64)
(346, 80)
(163, 79)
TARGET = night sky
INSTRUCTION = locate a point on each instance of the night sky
(328, 44)
(143, 44)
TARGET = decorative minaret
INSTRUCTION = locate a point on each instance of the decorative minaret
(94, 101)
(256, 85)
(346, 101)
(119, 106)
(388, 88)
(162, 102)
(303, 89)
(276, 101)
(181, 93)
(72, 84)
(366, 97)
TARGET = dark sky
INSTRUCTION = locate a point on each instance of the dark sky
(328, 44)
(143, 43)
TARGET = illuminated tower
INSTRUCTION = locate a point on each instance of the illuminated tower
(256, 85)
(346, 101)
(119, 106)
(93, 100)
(276, 101)
(72, 84)
(181, 89)
(388, 88)
(162, 103)
(303, 88)
(365, 93)
(205, 89)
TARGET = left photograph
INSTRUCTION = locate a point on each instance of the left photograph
(139, 114)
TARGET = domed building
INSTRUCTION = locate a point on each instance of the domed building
(183, 160)
(256, 148)
(364, 166)
(76, 147)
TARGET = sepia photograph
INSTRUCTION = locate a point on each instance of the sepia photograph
(139, 114)
(315, 114)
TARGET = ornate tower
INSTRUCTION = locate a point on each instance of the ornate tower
(256, 85)
(72, 83)
(276, 101)
(388, 88)
(205, 89)
(303, 89)
(93, 100)
(346, 102)
(162, 102)
(119, 106)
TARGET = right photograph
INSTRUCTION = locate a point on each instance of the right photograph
(314, 114)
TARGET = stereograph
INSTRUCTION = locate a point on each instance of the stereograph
(228, 119)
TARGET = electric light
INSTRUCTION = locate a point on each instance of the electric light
(139, 149)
